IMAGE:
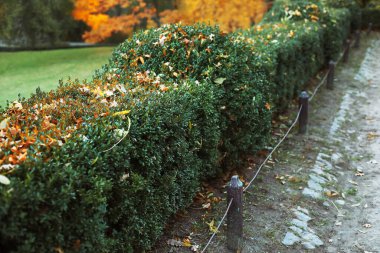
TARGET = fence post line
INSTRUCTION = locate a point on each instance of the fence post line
(303, 118)
(357, 39)
(330, 76)
(346, 50)
(369, 28)
(235, 214)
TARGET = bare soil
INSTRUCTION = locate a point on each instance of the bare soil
(344, 125)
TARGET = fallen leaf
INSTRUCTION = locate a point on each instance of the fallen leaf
(58, 250)
(294, 179)
(4, 180)
(372, 136)
(212, 227)
(186, 243)
(3, 123)
(219, 80)
(331, 194)
(359, 174)
(367, 225)
(121, 113)
(206, 206)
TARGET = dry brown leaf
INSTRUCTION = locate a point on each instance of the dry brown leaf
(294, 179)
(331, 194)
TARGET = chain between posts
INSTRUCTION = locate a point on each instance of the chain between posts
(348, 46)
(217, 229)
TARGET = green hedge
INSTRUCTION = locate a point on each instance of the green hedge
(371, 14)
(185, 102)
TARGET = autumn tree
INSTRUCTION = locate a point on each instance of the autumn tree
(228, 14)
(108, 17)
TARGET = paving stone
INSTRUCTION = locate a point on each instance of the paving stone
(311, 193)
(308, 245)
(302, 210)
(318, 170)
(337, 158)
(301, 216)
(297, 230)
(290, 239)
(314, 185)
(299, 223)
(318, 179)
(312, 238)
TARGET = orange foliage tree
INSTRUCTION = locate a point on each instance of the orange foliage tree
(105, 17)
(228, 14)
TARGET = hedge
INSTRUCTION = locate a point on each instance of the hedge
(101, 166)
(371, 14)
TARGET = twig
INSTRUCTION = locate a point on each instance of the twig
(117, 143)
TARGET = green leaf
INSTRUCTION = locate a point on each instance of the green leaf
(219, 80)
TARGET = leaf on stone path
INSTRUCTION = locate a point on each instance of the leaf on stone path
(331, 194)
(294, 179)
(353, 182)
(372, 162)
(4, 180)
(372, 136)
(359, 174)
(281, 179)
(356, 205)
(186, 243)
(219, 80)
(212, 227)
(367, 225)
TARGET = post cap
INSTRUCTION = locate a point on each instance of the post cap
(235, 182)
(304, 94)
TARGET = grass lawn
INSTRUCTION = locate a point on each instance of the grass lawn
(23, 72)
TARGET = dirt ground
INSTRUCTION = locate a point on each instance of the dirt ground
(320, 191)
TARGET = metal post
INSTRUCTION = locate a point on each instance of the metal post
(303, 119)
(346, 51)
(357, 39)
(330, 76)
(369, 28)
(235, 214)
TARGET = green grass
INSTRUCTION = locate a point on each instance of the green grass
(23, 72)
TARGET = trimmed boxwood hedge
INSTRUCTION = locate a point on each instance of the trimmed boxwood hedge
(182, 102)
(371, 14)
